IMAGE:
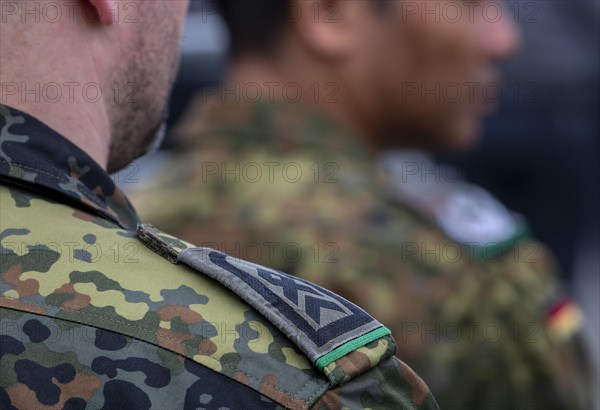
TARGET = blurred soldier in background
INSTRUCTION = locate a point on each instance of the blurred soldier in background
(280, 165)
(92, 318)
(543, 143)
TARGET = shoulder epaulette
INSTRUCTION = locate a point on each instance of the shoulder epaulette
(466, 213)
(322, 324)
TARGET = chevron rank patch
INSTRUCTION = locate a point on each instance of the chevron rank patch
(323, 325)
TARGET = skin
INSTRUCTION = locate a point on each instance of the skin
(131, 56)
(380, 59)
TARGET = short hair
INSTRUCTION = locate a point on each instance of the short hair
(254, 26)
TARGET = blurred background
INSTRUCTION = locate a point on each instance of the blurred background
(540, 154)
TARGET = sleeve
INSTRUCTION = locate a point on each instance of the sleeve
(563, 322)
(372, 377)
(389, 385)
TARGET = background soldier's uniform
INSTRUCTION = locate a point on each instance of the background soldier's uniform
(92, 318)
(479, 315)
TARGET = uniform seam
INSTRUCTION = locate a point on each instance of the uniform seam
(58, 178)
(315, 394)
(289, 401)
(183, 344)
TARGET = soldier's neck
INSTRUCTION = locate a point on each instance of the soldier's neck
(69, 100)
(306, 84)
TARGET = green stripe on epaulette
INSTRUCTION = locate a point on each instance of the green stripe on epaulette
(480, 252)
(350, 346)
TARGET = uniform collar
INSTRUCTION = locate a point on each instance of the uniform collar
(281, 127)
(33, 154)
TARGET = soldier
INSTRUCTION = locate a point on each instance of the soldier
(101, 311)
(281, 166)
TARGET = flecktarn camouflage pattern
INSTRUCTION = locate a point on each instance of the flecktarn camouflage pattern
(326, 325)
(472, 301)
(100, 311)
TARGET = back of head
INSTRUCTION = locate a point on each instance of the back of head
(254, 26)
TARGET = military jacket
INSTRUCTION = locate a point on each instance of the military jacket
(101, 311)
(473, 302)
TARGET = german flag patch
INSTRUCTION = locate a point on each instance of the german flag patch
(563, 320)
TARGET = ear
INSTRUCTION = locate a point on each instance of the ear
(105, 10)
(328, 27)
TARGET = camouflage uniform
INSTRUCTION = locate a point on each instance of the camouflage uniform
(483, 321)
(92, 318)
